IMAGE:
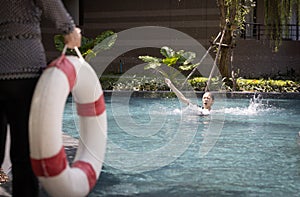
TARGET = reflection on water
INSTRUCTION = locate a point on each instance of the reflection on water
(256, 154)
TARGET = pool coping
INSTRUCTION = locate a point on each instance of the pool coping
(70, 144)
(232, 95)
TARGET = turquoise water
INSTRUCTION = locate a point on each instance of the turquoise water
(241, 149)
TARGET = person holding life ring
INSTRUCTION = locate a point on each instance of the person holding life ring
(22, 60)
(64, 75)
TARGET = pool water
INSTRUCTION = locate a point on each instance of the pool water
(156, 147)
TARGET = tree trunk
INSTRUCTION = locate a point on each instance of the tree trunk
(224, 59)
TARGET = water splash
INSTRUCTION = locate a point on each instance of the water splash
(257, 106)
(256, 102)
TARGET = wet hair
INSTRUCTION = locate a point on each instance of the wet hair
(211, 95)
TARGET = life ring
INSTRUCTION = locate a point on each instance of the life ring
(48, 158)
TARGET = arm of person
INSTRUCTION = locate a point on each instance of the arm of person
(55, 11)
(180, 96)
(73, 39)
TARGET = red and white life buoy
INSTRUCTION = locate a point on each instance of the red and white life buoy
(48, 157)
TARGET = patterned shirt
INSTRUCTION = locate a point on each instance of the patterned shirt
(22, 54)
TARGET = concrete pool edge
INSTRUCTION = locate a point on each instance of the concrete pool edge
(239, 95)
(70, 144)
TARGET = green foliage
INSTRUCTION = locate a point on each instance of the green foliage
(236, 11)
(134, 83)
(89, 47)
(167, 52)
(277, 16)
(251, 85)
(153, 62)
(198, 83)
(180, 58)
(263, 85)
(108, 82)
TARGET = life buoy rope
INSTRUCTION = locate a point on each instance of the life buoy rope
(48, 157)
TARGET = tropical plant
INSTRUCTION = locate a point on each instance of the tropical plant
(182, 59)
(89, 46)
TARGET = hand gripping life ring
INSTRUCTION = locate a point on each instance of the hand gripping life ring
(48, 157)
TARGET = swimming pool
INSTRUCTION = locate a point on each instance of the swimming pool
(158, 148)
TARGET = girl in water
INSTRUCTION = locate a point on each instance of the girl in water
(207, 100)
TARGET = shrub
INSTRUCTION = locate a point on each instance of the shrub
(198, 83)
(263, 85)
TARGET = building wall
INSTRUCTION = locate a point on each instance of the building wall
(255, 58)
(197, 18)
